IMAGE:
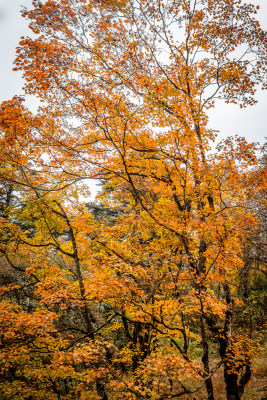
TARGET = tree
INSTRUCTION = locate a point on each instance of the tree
(126, 87)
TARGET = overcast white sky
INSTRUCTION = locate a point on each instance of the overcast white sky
(228, 119)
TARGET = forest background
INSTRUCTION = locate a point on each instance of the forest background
(157, 289)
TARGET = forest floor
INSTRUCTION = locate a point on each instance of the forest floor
(255, 390)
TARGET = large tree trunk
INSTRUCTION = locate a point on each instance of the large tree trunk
(100, 388)
(234, 389)
(205, 361)
(231, 384)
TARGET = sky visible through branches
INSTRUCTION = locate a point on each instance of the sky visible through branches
(228, 119)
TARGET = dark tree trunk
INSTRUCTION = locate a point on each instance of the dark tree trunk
(101, 391)
(231, 383)
(245, 378)
(205, 361)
